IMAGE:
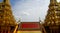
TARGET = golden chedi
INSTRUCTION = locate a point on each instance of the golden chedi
(7, 21)
(52, 20)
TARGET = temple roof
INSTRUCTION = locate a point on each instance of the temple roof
(29, 26)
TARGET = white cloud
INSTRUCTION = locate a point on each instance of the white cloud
(25, 13)
(58, 0)
(30, 10)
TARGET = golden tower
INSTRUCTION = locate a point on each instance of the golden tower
(7, 21)
(52, 21)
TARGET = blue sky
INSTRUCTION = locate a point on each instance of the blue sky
(30, 10)
(1, 0)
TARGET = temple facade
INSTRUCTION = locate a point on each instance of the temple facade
(52, 20)
(7, 21)
(30, 27)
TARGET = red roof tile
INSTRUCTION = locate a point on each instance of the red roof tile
(29, 25)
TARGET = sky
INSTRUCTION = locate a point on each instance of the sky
(29, 10)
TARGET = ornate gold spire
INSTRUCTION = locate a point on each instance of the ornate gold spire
(7, 16)
(6, 1)
(52, 20)
(7, 21)
(53, 1)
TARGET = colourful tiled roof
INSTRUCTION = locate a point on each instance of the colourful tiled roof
(30, 26)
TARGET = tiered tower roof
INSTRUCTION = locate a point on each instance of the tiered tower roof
(6, 16)
(53, 13)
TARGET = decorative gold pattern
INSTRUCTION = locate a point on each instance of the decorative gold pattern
(52, 20)
(7, 21)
